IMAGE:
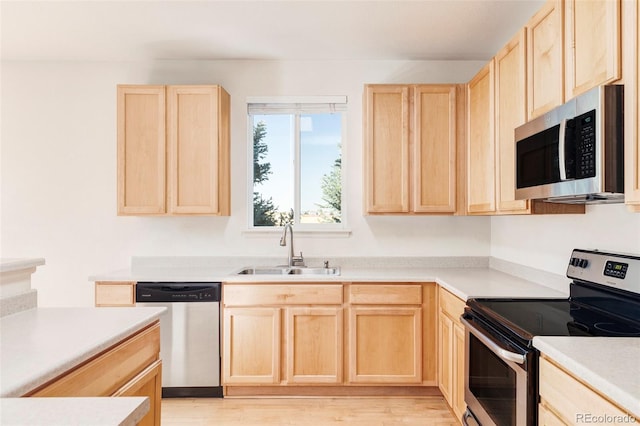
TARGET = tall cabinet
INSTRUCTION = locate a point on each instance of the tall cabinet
(410, 149)
(631, 22)
(173, 150)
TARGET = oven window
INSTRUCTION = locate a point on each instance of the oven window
(493, 383)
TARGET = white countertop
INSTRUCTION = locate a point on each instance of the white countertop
(39, 344)
(463, 282)
(15, 264)
(609, 364)
(121, 411)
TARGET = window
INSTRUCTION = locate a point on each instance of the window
(297, 162)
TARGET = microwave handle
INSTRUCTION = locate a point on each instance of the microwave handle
(562, 140)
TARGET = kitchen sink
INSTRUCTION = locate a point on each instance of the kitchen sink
(286, 270)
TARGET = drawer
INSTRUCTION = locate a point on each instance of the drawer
(110, 371)
(282, 294)
(385, 294)
(115, 293)
(450, 304)
(569, 398)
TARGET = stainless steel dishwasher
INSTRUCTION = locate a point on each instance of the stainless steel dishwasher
(189, 335)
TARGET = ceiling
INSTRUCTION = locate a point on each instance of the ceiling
(267, 29)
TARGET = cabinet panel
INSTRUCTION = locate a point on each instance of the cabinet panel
(141, 150)
(592, 44)
(109, 371)
(570, 398)
(314, 345)
(434, 156)
(547, 418)
(115, 293)
(251, 350)
(511, 105)
(386, 148)
(545, 52)
(631, 25)
(458, 404)
(385, 345)
(445, 357)
(282, 294)
(149, 384)
(481, 142)
(382, 294)
(197, 147)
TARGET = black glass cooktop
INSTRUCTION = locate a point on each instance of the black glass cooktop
(551, 317)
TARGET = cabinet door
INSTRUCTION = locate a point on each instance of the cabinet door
(314, 345)
(545, 52)
(631, 15)
(547, 418)
(434, 149)
(445, 357)
(386, 148)
(198, 150)
(458, 404)
(251, 350)
(148, 384)
(385, 345)
(481, 143)
(592, 44)
(511, 105)
(141, 150)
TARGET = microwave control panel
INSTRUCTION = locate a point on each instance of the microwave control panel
(585, 134)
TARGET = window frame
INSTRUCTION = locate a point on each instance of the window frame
(304, 228)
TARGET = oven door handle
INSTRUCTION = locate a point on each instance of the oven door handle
(502, 353)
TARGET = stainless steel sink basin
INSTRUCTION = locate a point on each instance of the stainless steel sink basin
(314, 271)
(285, 270)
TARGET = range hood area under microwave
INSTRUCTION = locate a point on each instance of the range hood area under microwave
(574, 153)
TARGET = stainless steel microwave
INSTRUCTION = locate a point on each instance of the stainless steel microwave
(575, 152)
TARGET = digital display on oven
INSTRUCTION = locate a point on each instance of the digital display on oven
(616, 269)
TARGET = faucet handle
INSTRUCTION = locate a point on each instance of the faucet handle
(298, 260)
(326, 264)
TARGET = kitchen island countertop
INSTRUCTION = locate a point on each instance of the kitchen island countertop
(42, 343)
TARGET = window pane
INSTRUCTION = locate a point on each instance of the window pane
(320, 168)
(272, 169)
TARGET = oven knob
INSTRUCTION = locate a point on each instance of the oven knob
(583, 263)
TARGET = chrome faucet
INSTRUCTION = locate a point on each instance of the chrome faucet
(293, 259)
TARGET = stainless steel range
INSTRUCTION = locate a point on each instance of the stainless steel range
(501, 384)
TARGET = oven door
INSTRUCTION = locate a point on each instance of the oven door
(497, 387)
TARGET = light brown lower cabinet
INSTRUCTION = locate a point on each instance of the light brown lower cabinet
(130, 368)
(115, 293)
(451, 351)
(565, 400)
(328, 335)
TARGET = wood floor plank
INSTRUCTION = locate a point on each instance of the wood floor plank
(307, 411)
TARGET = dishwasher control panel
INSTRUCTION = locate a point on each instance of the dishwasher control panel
(177, 292)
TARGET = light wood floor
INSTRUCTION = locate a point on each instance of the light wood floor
(422, 411)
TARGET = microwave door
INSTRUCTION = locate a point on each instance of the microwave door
(538, 160)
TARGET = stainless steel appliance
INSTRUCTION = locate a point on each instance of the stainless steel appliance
(189, 336)
(575, 152)
(501, 365)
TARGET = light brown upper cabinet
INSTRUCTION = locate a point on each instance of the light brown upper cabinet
(631, 25)
(173, 150)
(592, 44)
(510, 112)
(410, 149)
(481, 142)
(545, 53)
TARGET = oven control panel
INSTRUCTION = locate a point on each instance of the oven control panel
(616, 270)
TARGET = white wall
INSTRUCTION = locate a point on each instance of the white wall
(545, 242)
(58, 169)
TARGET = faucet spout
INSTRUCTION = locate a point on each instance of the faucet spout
(293, 260)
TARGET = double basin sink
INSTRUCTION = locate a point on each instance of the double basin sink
(289, 270)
